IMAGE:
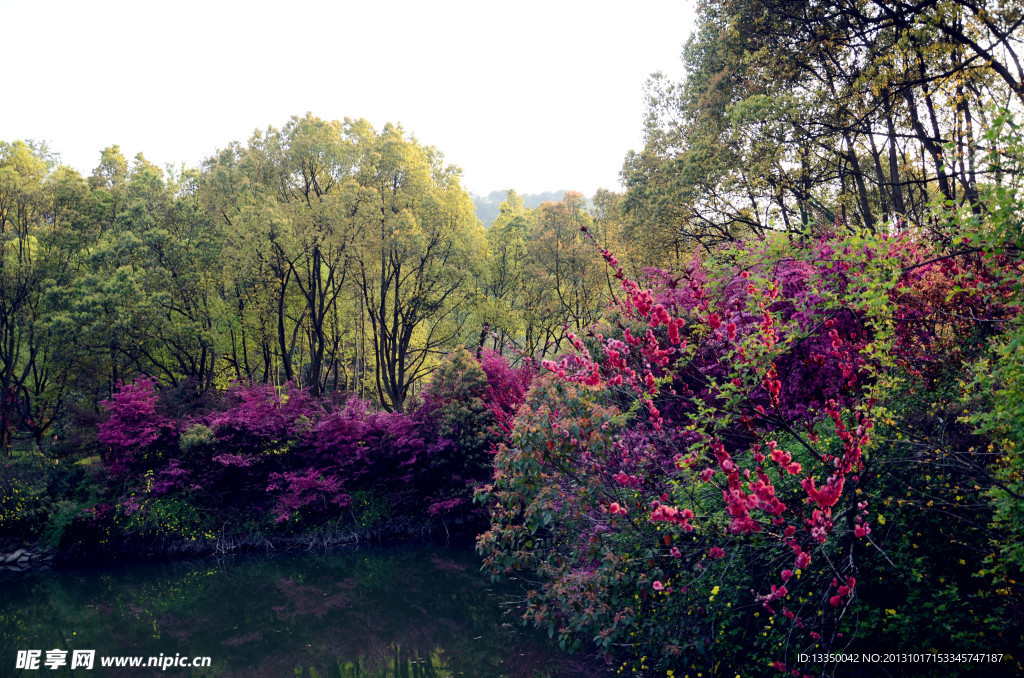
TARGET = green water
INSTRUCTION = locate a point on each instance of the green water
(399, 612)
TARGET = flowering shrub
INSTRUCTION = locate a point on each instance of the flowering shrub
(135, 430)
(702, 456)
(366, 450)
(506, 387)
(259, 419)
(297, 490)
(284, 460)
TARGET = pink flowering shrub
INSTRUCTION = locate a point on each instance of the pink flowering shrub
(136, 433)
(298, 460)
(506, 387)
(710, 436)
(259, 419)
(368, 450)
(309, 490)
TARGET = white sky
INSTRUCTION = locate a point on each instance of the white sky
(528, 95)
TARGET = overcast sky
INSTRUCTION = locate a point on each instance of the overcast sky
(528, 95)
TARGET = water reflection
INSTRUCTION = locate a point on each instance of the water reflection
(399, 612)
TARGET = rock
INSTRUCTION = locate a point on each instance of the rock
(11, 557)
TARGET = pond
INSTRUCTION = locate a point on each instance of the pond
(387, 612)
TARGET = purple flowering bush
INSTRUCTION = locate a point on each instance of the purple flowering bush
(279, 460)
(136, 433)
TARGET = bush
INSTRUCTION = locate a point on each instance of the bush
(137, 436)
(699, 482)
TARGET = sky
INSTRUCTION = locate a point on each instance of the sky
(535, 96)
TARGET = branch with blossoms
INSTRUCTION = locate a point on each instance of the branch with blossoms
(755, 351)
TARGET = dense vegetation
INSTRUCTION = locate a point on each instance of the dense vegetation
(776, 404)
(803, 435)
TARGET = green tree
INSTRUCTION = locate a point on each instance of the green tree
(793, 112)
(287, 199)
(419, 254)
(40, 206)
(505, 305)
(565, 276)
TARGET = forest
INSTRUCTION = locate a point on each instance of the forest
(763, 406)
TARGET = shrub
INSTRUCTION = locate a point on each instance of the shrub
(696, 482)
(135, 433)
(463, 428)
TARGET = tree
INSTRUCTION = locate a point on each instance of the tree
(420, 247)
(505, 305)
(286, 199)
(794, 112)
(23, 170)
(148, 297)
(42, 221)
(565, 275)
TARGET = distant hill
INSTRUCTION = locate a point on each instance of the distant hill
(487, 205)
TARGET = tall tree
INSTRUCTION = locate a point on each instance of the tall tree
(37, 199)
(420, 247)
(504, 304)
(794, 111)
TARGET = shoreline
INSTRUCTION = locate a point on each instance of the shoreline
(17, 558)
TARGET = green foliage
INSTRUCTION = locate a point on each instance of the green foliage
(24, 494)
(994, 388)
(196, 441)
(543, 276)
(158, 518)
(371, 510)
(539, 485)
(63, 514)
(791, 114)
(455, 398)
(998, 413)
